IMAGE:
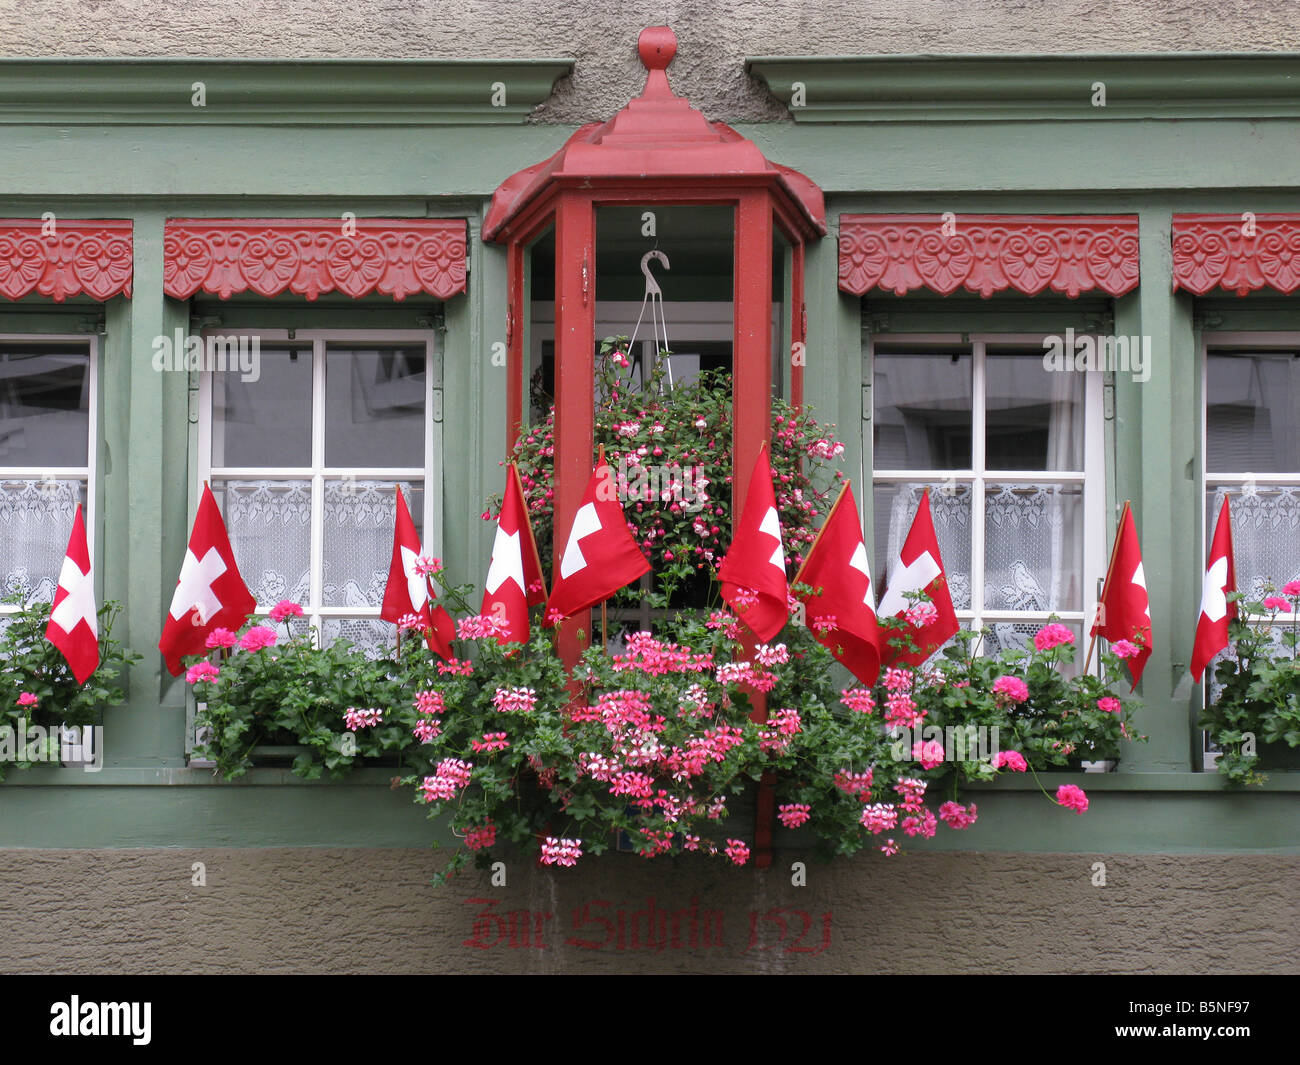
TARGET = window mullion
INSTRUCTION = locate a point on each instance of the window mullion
(316, 594)
(977, 483)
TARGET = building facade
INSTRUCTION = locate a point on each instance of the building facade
(986, 211)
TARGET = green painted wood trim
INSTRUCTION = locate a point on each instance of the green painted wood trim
(317, 92)
(983, 88)
(257, 814)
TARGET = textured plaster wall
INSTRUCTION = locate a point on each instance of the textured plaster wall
(715, 35)
(343, 911)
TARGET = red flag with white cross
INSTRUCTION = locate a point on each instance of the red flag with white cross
(73, 627)
(210, 593)
(843, 616)
(408, 591)
(514, 580)
(753, 573)
(1124, 612)
(1216, 611)
(600, 556)
(919, 569)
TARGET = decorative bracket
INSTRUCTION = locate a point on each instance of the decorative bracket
(59, 258)
(1236, 252)
(310, 256)
(989, 253)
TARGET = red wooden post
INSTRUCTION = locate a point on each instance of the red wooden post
(515, 311)
(575, 366)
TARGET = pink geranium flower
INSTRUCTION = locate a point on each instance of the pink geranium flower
(1052, 635)
(257, 638)
(1072, 798)
(1012, 760)
(929, 753)
(957, 816)
(1126, 649)
(28, 699)
(879, 817)
(737, 851)
(284, 609)
(477, 839)
(1276, 602)
(794, 814)
(203, 671)
(1109, 704)
(354, 719)
(921, 615)
(561, 851)
(1011, 689)
(220, 638)
(1291, 589)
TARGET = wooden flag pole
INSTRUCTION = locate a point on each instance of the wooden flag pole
(817, 539)
(604, 623)
(1105, 585)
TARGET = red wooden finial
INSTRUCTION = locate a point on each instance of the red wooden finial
(657, 45)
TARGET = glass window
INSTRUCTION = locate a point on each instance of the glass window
(306, 457)
(46, 457)
(1000, 441)
(1252, 456)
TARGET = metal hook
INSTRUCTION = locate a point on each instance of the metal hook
(651, 285)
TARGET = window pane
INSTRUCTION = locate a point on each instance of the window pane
(266, 422)
(1265, 534)
(35, 523)
(950, 507)
(359, 521)
(374, 406)
(1033, 417)
(371, 636)
(44, 404)
(1033, 547)
(270, 532)
(1019, 636)
(922, 418)
(1252, 420)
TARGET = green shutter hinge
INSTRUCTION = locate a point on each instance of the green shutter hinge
(1108, 400)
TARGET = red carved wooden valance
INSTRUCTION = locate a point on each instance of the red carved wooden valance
(988, 253)
(59, 258)
(1237, 252)
(396, 256)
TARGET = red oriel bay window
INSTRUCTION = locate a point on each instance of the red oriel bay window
(657, 154)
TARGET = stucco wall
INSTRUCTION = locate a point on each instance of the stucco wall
(714, 35)
(339, 911)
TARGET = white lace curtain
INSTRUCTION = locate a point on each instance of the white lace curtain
(1032, 547)
(35, 522)
(1265, 534)
(270, 531)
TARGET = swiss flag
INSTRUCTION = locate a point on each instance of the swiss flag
(407, 592)
(755, 564)
(919, 569)
(1124, 612)
(837, 564)
(600, 555)
(514, 581)
(1216, 611)
(72, 627)
(210, 593)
